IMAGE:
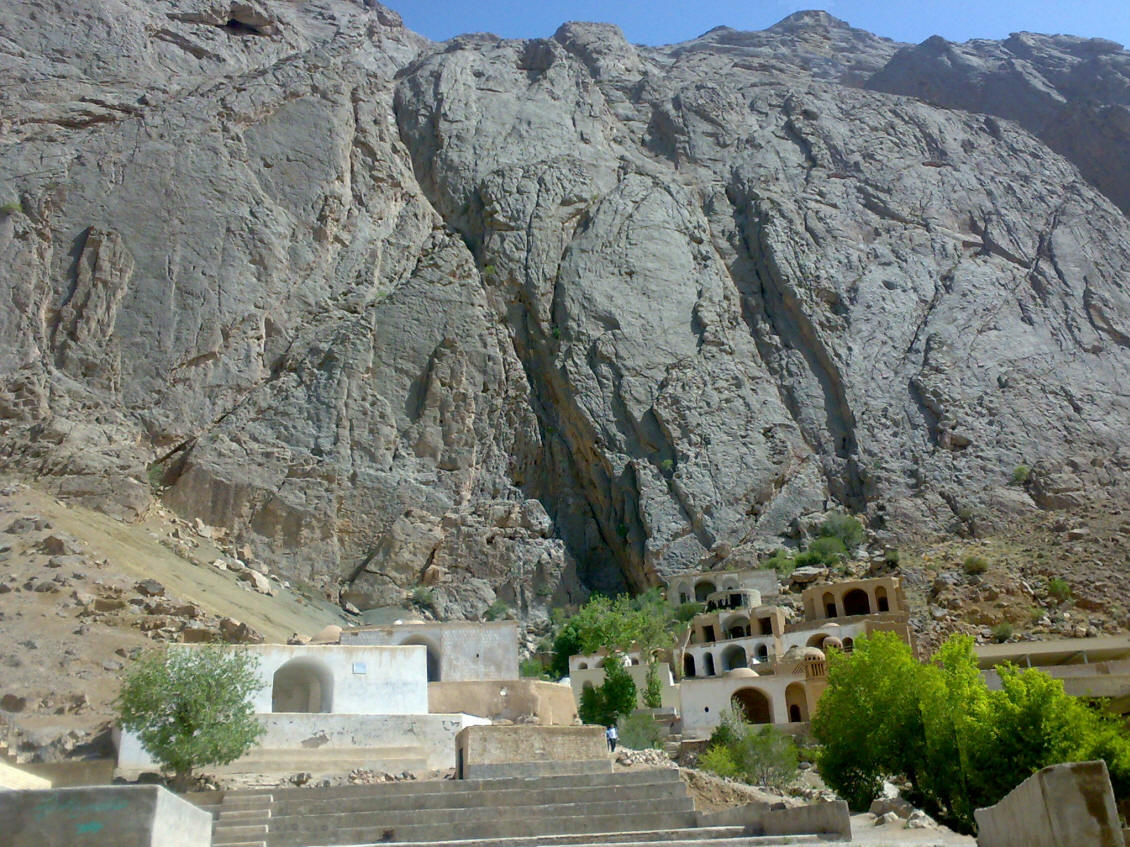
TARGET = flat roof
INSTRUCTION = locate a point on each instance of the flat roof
(1059, 651)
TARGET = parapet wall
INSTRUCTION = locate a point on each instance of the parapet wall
(1065, 805)
(547, 703)
(102, 816)
(492, 752)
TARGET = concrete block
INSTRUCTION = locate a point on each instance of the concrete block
(488, 752)
(829, 818)
(1060, 806)
(102, 816)
(15, 779)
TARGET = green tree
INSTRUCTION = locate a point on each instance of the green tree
(192, 707)
(616, 696)
(937, 726)
(653, 688)
(869, 721)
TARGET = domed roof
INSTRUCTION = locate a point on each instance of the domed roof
(832, 641)
(742, 672)
(812, 653)
(329, 635)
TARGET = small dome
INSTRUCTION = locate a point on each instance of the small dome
(741, 672)
(797, 653)
(832, 641)
(812, 653)
(329, 635)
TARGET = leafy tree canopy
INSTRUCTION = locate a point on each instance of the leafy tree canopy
(192, 707)
(937, 726)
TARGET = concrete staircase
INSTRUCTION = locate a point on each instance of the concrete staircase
(631, 808)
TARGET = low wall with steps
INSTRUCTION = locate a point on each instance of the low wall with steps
(334, 743)
(628, 807)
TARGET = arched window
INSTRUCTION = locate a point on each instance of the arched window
(817, 640)
(708, 660)
(733, 657)
(582, 666)
(433, 656)
(849, 645)
(856, 602)
(881, 599)
(755, 704)
(688, 665)
(762, 652)
(702, 590)
(303, 684)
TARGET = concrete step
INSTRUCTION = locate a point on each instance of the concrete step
(221, 843)
(323, 760)
(708, 837)
(239, 832)
(504, 797)
(227, 815)
(460, 819)
(455, 786)
(526, 827)
(251, 801)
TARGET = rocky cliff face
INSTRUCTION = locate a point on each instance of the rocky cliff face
(506, 317)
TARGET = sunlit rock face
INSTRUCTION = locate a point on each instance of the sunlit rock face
(512, 318)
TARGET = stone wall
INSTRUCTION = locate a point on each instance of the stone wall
(365, 680)
(1060, 806)
(434, 735)
(458, 651)
(489, 752)
(102, 816)
(550, 703)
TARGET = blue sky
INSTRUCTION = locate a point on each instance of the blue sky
(666, 21)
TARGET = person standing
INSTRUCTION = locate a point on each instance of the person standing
(613, 736)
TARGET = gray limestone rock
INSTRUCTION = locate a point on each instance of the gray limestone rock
(506, 319)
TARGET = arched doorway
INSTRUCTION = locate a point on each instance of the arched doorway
(737, 627)
(849, 645)
(829, 602)
(817, 640)
(433, 656)
(762, 652)
(754, 703)
(708, 664)
(733, 657)
(881, 599)
(688, 665)
(856, 602)
(702, 590)
(303, 684)
(797, 702)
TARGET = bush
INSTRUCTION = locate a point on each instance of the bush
(1020, 474)
(1059, 590)
(781, 561)
(937, 726)
(496, 611)
(10, 208)
(685, 612)
(974, 565)
(844, 527)
(758, 755)
(192, 707)
(830, 549)
(891, 557)
(423, 597)
(718, 760)
(531, 668)
(640, 731)
(1002, 632)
